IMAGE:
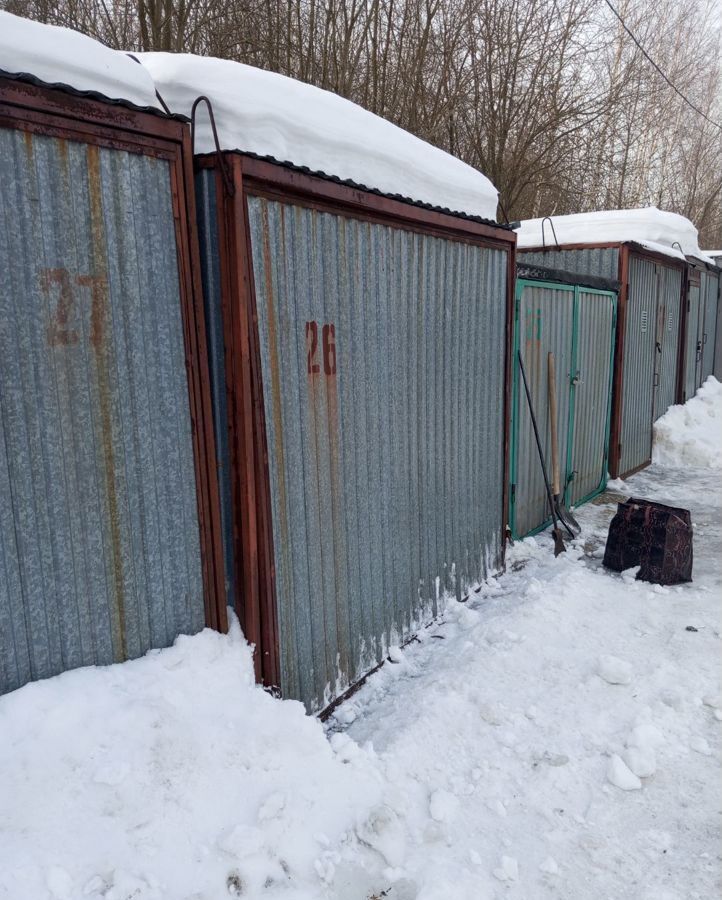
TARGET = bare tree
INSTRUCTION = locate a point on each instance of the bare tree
(550, 98)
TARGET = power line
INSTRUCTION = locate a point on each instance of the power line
(653, 63)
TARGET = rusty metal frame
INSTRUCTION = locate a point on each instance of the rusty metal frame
(280, 182)
(250, 485)
(253, 554)
(50, 111)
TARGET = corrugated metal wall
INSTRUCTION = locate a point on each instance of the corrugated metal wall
(544, 324)
(710, 285)
(99, 540)
(596, 319)
(639, 363)
(653, 306)
(382, 357)
(701, 309)
(211, 277)
(603, 262)
(717, 369)
(701, 355)
(667, 325)
(577, 325)
(693, 349)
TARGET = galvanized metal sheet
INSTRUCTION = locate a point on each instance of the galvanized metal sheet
(577, 325)
(603, 262)
(639, 364)
(99, 540)
(710, 285)
(592, 395)
(700, 335)
(717, 368)
(544, 324)
(209, 245)
(382, 356)
(667, 325)
(693, 349)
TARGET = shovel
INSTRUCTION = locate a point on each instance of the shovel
(562, 513)
(556, 531)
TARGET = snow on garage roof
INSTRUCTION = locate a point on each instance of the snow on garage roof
(59, 56)
(663, 232)
(274, 116)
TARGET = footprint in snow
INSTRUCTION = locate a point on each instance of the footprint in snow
(641, 761)
(614, 670)
(621, 776)
(508, 870)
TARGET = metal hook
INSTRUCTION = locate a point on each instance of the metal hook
(227, 180)
(549, 220)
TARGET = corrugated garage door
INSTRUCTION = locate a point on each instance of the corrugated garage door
(99, 535)
(382, 355)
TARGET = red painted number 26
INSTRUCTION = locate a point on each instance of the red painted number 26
(328, 348)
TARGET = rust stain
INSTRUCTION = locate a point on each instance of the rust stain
(331, 386)
(275, 375)
(100, 321)
(28, 139)
(58, 333)
(316, 391)
(62, 146)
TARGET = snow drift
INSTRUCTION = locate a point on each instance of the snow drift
(60, 56)
(691, 435)
(663, 232)
(168, 777)
(493, 772)
(271, 115)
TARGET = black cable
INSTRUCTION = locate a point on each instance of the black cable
(157, 92)
(653, 63)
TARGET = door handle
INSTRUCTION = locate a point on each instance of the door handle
(656, 380)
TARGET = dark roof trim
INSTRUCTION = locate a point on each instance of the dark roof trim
(26, 78)
(701, 264)
(305, 170)
(659, 256)
(542, 273)
(674, 262)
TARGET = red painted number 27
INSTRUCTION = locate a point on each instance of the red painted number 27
(328, 348)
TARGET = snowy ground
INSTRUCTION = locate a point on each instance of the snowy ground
(489, 761)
